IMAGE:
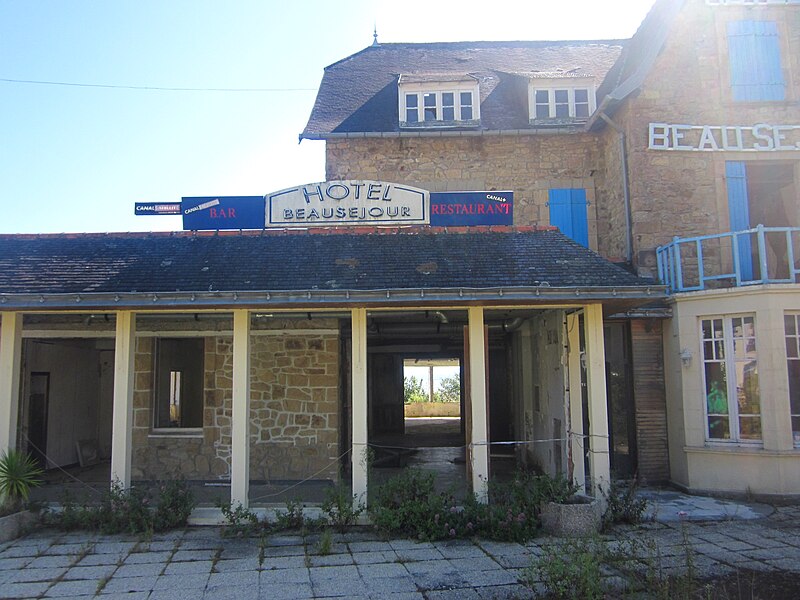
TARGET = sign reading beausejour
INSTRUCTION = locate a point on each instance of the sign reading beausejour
(332, 203)
(724, 138)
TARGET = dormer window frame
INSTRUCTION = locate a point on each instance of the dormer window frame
(561, 95)
(438, 101)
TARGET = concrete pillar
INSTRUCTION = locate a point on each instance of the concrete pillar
(122, 420)
(477, 381)
(773, 376)
(10, 361)
(599, 458)
(577, 441)
(240, 421)
(358, 418)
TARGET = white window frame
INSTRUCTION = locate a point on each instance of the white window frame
(551, 87)
(795, 340)
(420, 91)
(729, 362)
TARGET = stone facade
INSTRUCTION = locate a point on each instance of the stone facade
(294, 412)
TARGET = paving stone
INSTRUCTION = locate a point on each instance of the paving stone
(420, 554)
(23, 551)
(368, 546)
(187, 581)
(282, 562)
(479, 563)
(284, 551)
(507, 592)
(278, 591)
(193, 555)
(239, 592)
(786, 564)
(50, 562)
(234, 579)
(42, 574)
(70, 589)
(242, 564)
(396, 596)
(139, 558)
(129, 584)
(67, 549)
(367, 558)
(402, 544)
(382, 570)
(91, 560)
(338, 587)
(457, 594)
(183, 568)
(12, 564)
(387, 585)
(23, 590)
(140, 570)
(95, 573)
(339, 572)
(154, 546)
(176, 594)
(331, 560)
(124, 595)
(285, 577)
(117, 548)
(463, 550)
(488, 578)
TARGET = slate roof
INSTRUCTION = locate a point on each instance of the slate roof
(359, 93)
(283, 261)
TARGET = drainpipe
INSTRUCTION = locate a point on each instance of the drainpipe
(626, 195)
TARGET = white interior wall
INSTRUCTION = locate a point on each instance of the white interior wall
(74, 394)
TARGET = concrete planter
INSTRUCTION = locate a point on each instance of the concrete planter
(14, 525)
(432, 409)
(581, 517)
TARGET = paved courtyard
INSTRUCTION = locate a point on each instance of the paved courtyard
(200, 563)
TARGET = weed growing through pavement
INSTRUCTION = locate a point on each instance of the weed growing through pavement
(325, 543)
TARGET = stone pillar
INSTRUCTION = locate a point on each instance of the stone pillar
(599, 458)
(358, 418)
(10, 361)
(477, 381)
(577, 440)
(240, 422)
(122, 420)
(773, 376)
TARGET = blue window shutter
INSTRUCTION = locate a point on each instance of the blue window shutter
(739, 213)
(568, 213)
(755, 61)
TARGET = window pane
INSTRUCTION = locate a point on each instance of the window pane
(542, 111)
(790, 323)
(706, 330)
(747, 388)
(448, 99)
(750, 428)
(796, 430)
(412, 101)
(562, 97)
(429, 102)
(448, 113)
(791, 347)
(581, 110)
(794, 386)
(542, 97)
(581, 96)
(179, 389)
(412, 116)
(716, 389)
(429, 99)
(466, 98)
(466, 113)
(719, 428)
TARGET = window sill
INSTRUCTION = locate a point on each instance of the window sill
(740, 449)
(185, 432)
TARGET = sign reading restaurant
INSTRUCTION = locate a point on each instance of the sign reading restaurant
(724, 138)
(332, 203)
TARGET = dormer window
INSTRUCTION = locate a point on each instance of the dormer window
(438, 101)
(560, 99)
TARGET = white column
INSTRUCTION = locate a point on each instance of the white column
(358, 417)
(599, 459)
(477, 381)
(240, 421)
(122, 424)
(577, 440)
(773, 377)
(10, 360)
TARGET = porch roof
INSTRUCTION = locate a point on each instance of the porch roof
(336, 267)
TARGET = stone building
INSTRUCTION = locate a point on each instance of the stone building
(655, 335)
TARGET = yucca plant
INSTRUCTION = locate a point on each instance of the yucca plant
(18, 474)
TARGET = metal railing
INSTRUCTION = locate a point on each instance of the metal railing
(732, 259)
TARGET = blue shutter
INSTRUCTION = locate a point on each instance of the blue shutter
(755, 61)
(568, 213)
(739, 214)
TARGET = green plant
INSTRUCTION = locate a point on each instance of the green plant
(292, 517)
(623, 506)
(325, 542)
(413, 390)
(449, 390)
(341, 507)
(124, 510)
(18, 474)
(239, 521)
(569, 570)
(175, 504)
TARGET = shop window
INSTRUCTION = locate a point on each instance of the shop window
(792, 325)
(438, 107)
(755, 61)
(178, 402)
(568, 213)
(730, 379)
(562, 103)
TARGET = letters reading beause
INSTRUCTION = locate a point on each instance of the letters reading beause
(720, 138)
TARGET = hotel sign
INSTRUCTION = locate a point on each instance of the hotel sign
(724, 138)
(333, 203)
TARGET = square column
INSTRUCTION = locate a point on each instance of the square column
(773, 377)
(122, 420)
(479, 451)
(577, 440)
(10, 361)
(599, 457)
(358, 418)
(240, 421)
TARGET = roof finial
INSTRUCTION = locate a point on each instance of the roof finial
(375, 34)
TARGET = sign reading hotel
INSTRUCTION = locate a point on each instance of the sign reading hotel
(222, 212)
(333, 203)
(724, 138)
(450, 209)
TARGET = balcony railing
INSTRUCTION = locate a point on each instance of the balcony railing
(733, 259)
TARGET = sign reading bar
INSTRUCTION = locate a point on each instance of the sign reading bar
(724, 138)
(223, 212)
(450, 209)
(157, 208)
(334, 203)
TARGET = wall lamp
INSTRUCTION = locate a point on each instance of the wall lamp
(686, 357)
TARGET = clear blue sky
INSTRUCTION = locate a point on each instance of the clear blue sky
(77, 158)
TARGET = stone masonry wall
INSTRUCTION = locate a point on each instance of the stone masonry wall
(293, 418)
(528, 165)
(685, 193)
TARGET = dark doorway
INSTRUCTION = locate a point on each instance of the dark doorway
(621, 409)
(38, 401)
